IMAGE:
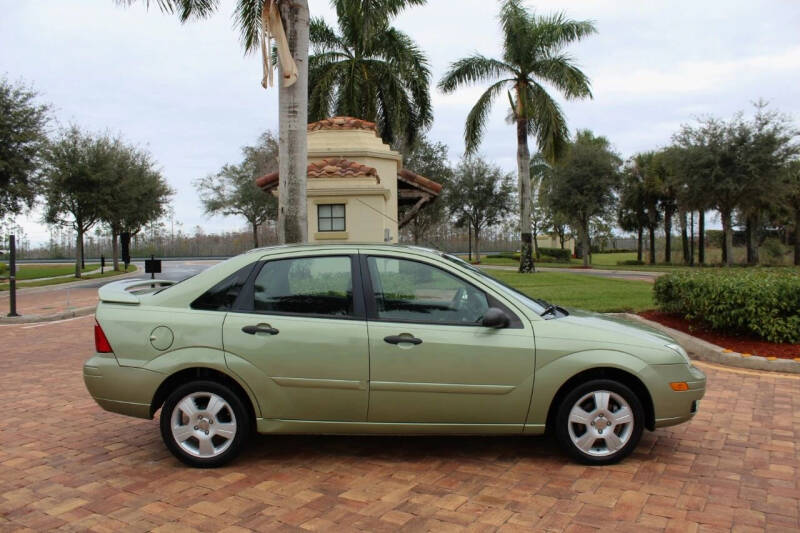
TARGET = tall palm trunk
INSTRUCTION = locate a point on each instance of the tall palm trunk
(293, 120)
(585, 247)
(684, 239)
(797, 236)
(652, 233)
(639, 247)
(477, 246)
(727, 240)
(701, 237)
(524, 173)
(668, 234)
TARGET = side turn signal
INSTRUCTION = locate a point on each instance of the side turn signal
(679, 386)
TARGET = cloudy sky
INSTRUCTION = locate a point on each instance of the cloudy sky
(189, 95)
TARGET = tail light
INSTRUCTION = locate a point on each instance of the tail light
(101, 343)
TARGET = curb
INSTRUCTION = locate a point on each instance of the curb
(31, 319)
(705, 351)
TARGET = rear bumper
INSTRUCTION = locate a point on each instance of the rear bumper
(120, 389)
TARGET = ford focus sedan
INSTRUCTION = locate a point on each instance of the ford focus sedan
(376, 339)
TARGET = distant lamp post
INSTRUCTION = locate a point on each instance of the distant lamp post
(12, 276)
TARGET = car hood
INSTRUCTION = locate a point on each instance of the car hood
(596, 326)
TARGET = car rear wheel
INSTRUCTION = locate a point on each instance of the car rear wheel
(600, 422)
(204, 424)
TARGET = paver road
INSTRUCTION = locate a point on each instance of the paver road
(65, 463)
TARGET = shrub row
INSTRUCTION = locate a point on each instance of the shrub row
(559, 254)
(764, 303)
(630, 262)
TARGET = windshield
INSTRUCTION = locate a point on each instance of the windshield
(537, 305)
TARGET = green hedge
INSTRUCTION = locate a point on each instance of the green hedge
(557, 253)
(764, 303)
(631, 262)
(3, 269)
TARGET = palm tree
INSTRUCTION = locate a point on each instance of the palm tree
(370, 70)
(292, 100)
(533, 58)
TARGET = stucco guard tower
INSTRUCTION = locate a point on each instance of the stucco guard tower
(356, 183)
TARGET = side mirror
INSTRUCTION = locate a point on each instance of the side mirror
(495, 318)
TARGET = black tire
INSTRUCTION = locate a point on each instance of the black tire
(605, 453)
(235, 411)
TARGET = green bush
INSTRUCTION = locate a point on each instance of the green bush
(773, 252)
(3, 270)
(760, 302)
(630, 262)
(557, 253)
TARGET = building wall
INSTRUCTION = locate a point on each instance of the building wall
(371, 208)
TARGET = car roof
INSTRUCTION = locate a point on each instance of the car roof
(327, 246)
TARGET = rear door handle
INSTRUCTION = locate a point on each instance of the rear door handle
(397, 339)
(261, 328)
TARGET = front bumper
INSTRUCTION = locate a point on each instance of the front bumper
(674, 407)
(120, 389)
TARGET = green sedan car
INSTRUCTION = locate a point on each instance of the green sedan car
(376, 339)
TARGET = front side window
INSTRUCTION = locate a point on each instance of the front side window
(410, 291)
(330, 217)
(306, 285)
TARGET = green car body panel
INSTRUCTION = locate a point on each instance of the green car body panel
(337, 375)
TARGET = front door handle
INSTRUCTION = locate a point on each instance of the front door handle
(261, 328)
(397, 339)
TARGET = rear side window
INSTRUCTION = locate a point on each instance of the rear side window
(222, 296)
(305, 286)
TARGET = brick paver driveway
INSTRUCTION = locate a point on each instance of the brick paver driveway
(65, 463)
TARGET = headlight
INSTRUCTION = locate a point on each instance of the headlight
(678, 349)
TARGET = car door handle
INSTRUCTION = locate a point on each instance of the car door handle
(397, 339)
(261, 328)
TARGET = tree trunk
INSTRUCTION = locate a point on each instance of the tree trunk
(115, 249)
(751, 235)
(639, 243)
(701, 237)
(83, 255)
(797, 237)
(585, 244)
(652, 233)
(477, 247)
(727, 241)
(684, 239)
(668, 235)
(469, 242)
(524, 177)
(255, 235)
(78, 252)
(292, 125)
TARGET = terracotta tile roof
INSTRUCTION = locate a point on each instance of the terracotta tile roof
(326, 168)
(412, 178)
(342, 123)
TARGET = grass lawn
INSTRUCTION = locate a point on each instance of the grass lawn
(28, 271)
(581, 291)
(59, 281)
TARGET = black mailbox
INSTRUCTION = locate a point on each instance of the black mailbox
(152, 265)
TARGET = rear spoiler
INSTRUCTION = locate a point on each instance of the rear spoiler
(128, 291)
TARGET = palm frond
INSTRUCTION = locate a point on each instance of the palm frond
(247, 17)
(556, 30)
(185, 9)
(476, 119)
(473, 69)
(563, 74)
(546, 122)
(323, 37)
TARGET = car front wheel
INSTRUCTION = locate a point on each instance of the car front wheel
(600, 422)
(204, 424)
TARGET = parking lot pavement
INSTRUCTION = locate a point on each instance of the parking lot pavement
(65, 463)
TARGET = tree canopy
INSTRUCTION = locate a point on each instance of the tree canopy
(23, 124)
(369, 69)
(233, 192)
(582, 185)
